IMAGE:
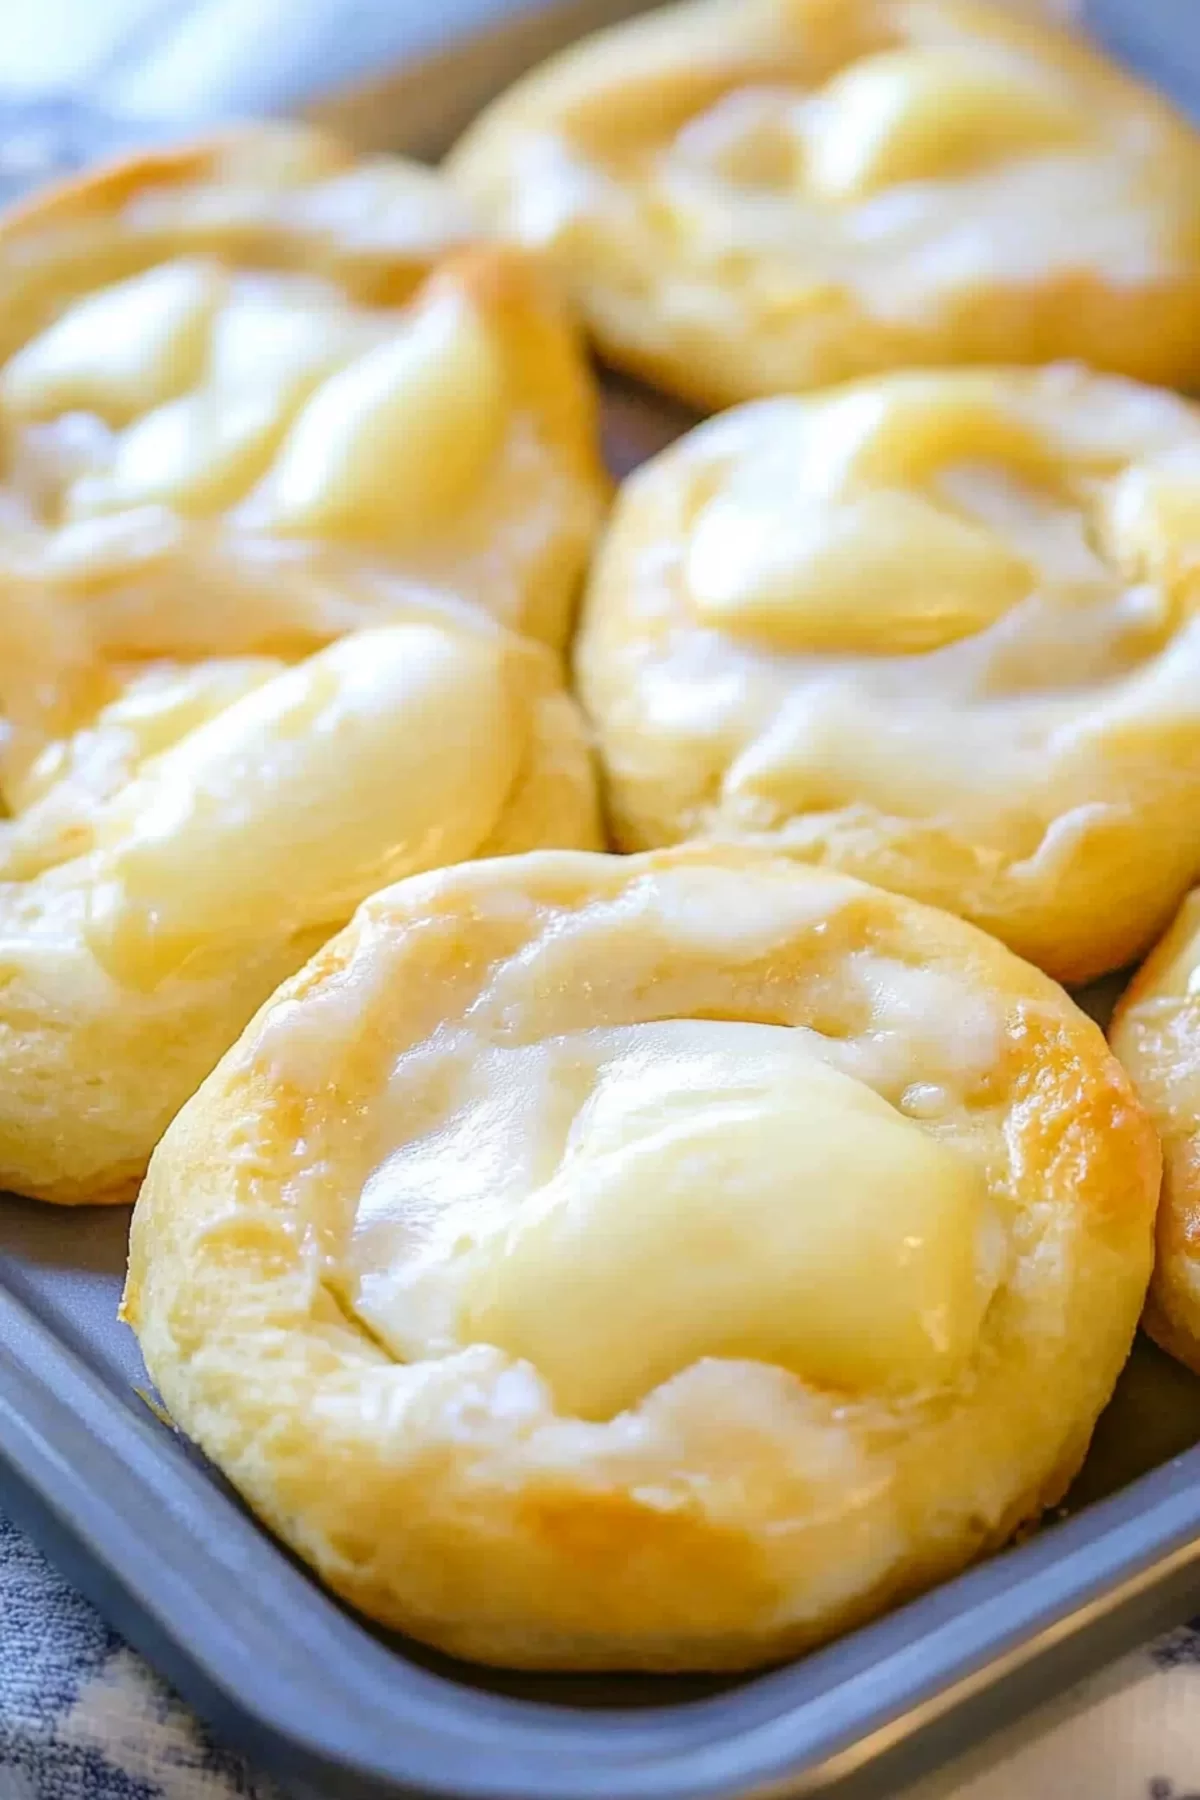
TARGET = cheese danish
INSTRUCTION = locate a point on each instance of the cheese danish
(184, 831)
(938, 630)
(750, 197)
(656, 1263)
(260, 365)
(1156, 1034)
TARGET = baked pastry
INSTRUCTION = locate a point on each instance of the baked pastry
(1156, 1034)
(750, 197)
(937, 630)
(657, 1262)
(258, 363)
(182, 834)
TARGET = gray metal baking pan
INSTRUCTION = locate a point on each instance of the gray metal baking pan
(317, 1696)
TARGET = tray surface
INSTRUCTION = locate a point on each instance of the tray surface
(335, 1707)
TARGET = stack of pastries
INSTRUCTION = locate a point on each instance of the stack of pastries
(630, 1188)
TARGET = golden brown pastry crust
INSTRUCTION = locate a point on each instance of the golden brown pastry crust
(286, 217)
(759, 196)
(737, 1513)
(1156, 1034)
(937, 630)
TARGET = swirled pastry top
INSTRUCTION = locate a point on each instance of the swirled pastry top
(756, 196)
(647, 1262)
(939, 630)
(1156, 1034)
(190, 840)
(259, 363)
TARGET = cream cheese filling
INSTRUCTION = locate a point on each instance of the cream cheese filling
(616, 1203)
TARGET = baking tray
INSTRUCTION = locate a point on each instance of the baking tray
(333, 1707)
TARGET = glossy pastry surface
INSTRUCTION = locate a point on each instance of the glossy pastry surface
(756, 196)
(938, 630)
(259, 365)
(184, 832)
(666, 1262)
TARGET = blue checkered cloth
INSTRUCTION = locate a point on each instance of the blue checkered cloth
(83, 1718)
